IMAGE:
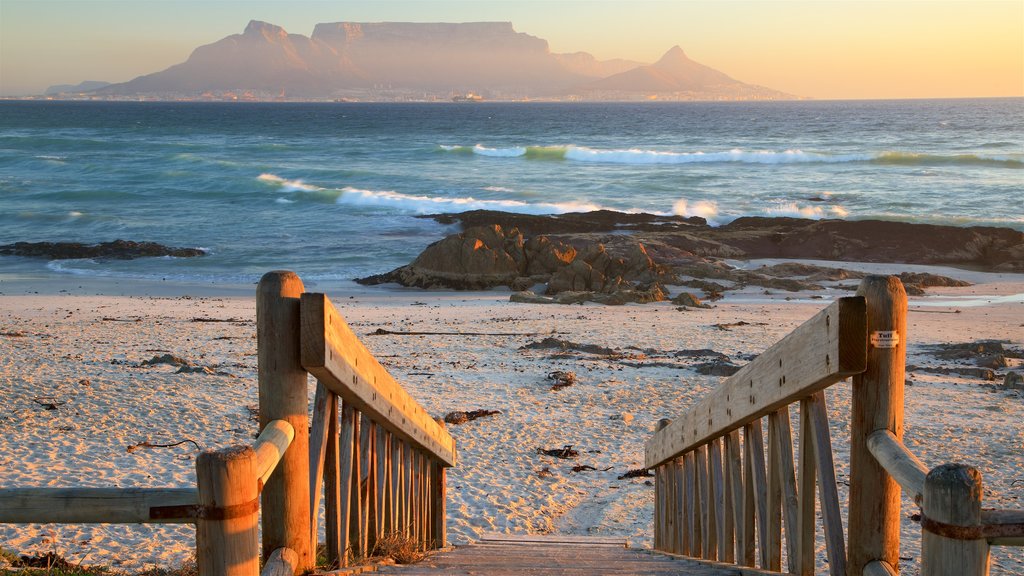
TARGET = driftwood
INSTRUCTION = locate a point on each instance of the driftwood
(135, 447)
(459, 417)
(384, 332)
(637, 473)
(565, 452)
(48, 402)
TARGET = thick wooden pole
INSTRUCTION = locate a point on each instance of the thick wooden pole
(874, 506)
(227, 537)
(283, 396)
(951, 509)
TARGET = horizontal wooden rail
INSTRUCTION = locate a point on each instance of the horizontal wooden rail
(1010, 522)
(270, 446)
(97, 505)
(334, 354)
(822, 351)
(899, 462)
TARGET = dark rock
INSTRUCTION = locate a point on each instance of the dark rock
(969, 371)
(687, 299)
(566, 452)
(576, 222)
(562, 379)
(1013, 381)
(459, 417)
(527, 297)
(717, 368)
(166, 359)
(116, 250)
(552, 343)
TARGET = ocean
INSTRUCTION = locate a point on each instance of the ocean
(333, 190)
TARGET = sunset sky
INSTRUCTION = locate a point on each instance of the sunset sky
(819, 49)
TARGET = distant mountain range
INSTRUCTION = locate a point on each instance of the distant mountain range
(394, 60)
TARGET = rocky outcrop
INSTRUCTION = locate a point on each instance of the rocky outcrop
(485, 257)
(614, 258)
(116, 250)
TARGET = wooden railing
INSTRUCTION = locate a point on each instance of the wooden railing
(719, 497)
(224, 506)
(380, 466)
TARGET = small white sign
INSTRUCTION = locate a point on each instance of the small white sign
(885, 338)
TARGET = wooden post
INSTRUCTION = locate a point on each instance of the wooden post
(734, 468)
(283, 396)
(227, 537)
(660, 499)
(333, 503)
(676, 467)
(805, 509)
(877, 404)
(438, 499)
(950, 512)
(753, 439)
(717, 484)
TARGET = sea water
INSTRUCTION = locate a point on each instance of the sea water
(335, 190)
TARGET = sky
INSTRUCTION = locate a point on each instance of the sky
(827, 49)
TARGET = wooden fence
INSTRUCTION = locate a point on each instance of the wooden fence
(374, 454)
(719, 496)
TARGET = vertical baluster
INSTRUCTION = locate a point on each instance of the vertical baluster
(679, 545)
(733, 451)
(805, 514)
(323, 399)
(790, 500)
(707, 514)
(718, 485)
(407, 521)
(827, 491)
(396, 484)
(355, 511)
(749, 502)
(425, 491)
(773, 542)
(383, 451)
(754, 441)
(332, 488)
(659, 507)
(693, 501)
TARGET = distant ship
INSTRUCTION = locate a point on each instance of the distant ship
(467, 97)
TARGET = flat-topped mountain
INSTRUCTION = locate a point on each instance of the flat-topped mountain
(419, 60)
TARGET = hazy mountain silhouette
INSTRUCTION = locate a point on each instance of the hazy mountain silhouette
(413, 58)
(675, 73)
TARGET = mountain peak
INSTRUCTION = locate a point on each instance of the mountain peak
(264, 29)
(674, 53)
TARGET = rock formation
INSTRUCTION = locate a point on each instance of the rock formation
(116, 250)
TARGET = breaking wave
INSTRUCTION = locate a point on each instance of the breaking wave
(736, 155)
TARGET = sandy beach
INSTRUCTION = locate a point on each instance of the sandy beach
(78, 395)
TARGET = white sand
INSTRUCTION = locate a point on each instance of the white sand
(69, 353)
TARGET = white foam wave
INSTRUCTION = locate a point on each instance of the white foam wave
(706, 209)
(639, 156)
(288, 185)
(498, 189)
(512, 152)
(793, 210)
(431, 204)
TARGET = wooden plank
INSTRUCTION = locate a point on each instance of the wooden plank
(270, 446)
(952, 496)
(283, 395)
(333, 532)
(97, 505)
(694, 503)
(367, 484)
(322, 400)
(828, 493)
(686, 514)
(680, 497)
(718, 499)
(754, 441)
(822, 351)
(228, 545)
(491, 537)
(382, 452)
(438, 500)
(790, 501)
(734, 473)
(396, 484)
(749, 505)
(356, 533)
(877, 404)
(659, 507)
(408, 494)
(997, 519)
(704, 496)
(774, 539)
(898, 462)
(805, 530)
(348, 458)
(334, 354)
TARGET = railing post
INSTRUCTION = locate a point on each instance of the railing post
(874, 505)
(227, 537)
(951, 512)
(438, 501)
(283, 395)
(660, 498)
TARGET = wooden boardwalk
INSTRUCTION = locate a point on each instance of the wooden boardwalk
(553, 554)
